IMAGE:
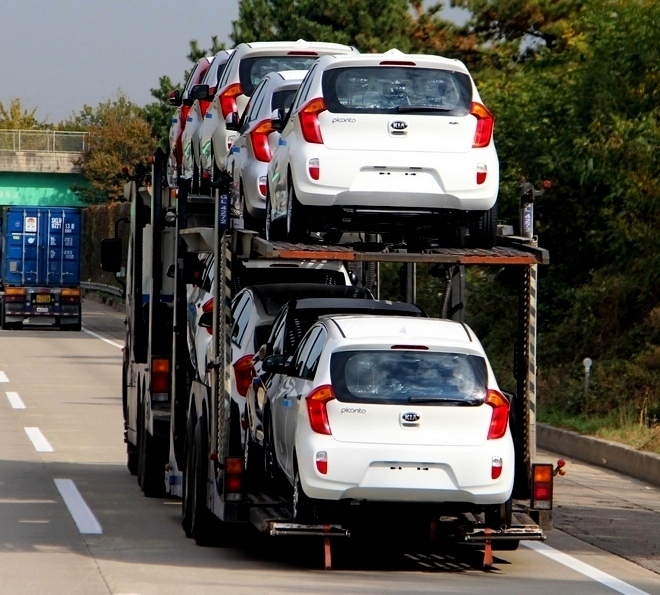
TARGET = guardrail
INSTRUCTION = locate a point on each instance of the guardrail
(44, 141)
(102, 287)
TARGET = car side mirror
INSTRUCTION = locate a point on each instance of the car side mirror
(275, 364)
(277, 119)
(200, 92)
(231, 121)
(206, 320)
(174, 98)
(111, 255)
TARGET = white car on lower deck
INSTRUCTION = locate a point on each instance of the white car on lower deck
(376, 142)
(390, 410)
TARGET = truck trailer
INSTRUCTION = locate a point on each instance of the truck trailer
(182, 432)
(40, 275)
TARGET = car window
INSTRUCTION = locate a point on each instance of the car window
(277, 334)
(397, 89)
(282, 99)
(222, 80)
(241, 318)
(252, 70)
(302, 91)
(306, 358)
(398, 376)
(253, 107)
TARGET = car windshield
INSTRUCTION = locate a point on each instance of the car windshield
(397, 376)
(252, 70)
(282, 99)
(396, 89)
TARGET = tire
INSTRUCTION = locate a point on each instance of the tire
(252, 462)
(271, 467)
(483, 229)
(249, 222)
(151, 464)
(201, 520)
(188, 484)
(274, 230)
(303, 506)
(132, 458)
(296, 229)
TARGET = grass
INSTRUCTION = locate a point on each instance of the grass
(616, 426)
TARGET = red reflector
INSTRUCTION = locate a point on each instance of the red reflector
(542, 492)
(243, 374)
(208, 306)
(322, 467)
(233, 484)
(496, 468)
(316, 409)
(160, 375)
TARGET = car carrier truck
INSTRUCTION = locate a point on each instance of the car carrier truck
(181, 431)
(41, 267)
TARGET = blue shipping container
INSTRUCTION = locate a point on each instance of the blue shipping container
(41, 247)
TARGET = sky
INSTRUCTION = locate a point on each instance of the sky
(60, 55)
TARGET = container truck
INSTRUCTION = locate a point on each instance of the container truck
(41, 267)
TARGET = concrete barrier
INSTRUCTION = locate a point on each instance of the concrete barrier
(604, 453)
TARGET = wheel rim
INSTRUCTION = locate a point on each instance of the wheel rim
(296, 496)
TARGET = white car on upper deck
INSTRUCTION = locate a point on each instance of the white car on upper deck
(385, 142)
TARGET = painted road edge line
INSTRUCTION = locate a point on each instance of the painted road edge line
(38, 440)
(593, 573)
(108, 341)
(15, 401)
(80, 512)
(3, 377)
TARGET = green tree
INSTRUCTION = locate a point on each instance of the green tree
(16, 117)
(120, 137)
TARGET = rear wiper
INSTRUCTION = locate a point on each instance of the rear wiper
(449, 400)
(421, 108)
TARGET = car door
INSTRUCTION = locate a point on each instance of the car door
(297, 387)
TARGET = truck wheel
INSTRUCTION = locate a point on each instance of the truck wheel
(201, 521)
(252, 461)
(483, 229)
(274, 229)
(188, 483)
(151, 466)
(132, 458)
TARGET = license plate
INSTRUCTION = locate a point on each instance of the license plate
(42, 310)
(42, 299)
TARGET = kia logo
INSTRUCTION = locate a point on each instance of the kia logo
(399, 125)
(410, 417)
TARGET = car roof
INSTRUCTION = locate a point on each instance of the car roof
(300, 44)
(275, 295)
(392, 57)
(316, 307)
(404, 331)
(287, 75)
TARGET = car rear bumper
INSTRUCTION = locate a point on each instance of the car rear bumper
(402, 473)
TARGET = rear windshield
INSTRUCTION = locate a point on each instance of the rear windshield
(399, 377)
(396, 89)
(252, 70)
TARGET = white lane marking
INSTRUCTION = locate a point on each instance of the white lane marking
(3, 377)
(108, 341)
(15, 401)
(81, 513)
(598, 575)
(38, 440)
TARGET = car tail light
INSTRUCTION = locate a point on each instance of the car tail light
(160, 376)
(485, 123)
(313, 165)
(496, 467)
(316, 409)
(244, 373)
(228, 99)
(542, 474)
(301, 53)
(208, 307)
(259, 140)
(262, 185)
(500, 420)
(482, 171)
(322, 462)
(309, 120)
(15, 294)
(233, 475)
(397, 63)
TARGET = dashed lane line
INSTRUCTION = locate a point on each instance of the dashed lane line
(3, 377)
(80, 512)
(15, 401)
(603, 578)
(38, 440)
(108, 341)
